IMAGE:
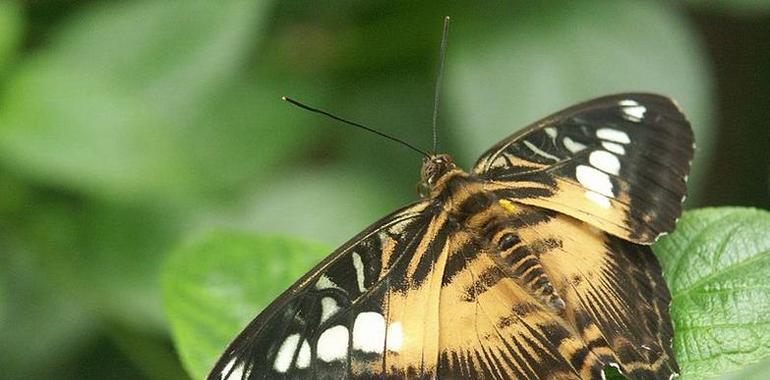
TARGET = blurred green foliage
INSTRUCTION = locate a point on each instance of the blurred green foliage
(10, 32)
(127, 128)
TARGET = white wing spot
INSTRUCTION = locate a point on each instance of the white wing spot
(237, 374)
(634, 112)
(325, 283)
(613, 135)
(333, 344)
(614, 148)
(329, 307)
(286, 353)
(359, 265)
(572, 145)
(593, 179)
(551, 131)
(540, 152)
(599, 199)
(628, 103)
(303, 358)
(605, 161)
(395, 337)
(499, 162)
(369, 332)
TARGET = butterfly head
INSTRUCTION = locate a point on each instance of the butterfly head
(434, 168)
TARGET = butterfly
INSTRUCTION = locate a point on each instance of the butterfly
(535, 264)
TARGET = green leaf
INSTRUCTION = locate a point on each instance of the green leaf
(759, 371)
(717, 264)
(213, 287)
(126, 100)
(539, 58)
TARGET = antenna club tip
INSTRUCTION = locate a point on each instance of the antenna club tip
(447, 18)
(284, 98)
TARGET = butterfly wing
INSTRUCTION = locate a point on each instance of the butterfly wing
(615, 296)
(336, 322)
(412, 297)
(618, 162)
(496, 324)
(494, 328)
(416, 296)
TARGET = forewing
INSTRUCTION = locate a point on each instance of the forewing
(618, 162)
(337, 321)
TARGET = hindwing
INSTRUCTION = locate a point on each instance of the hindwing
(618, 162)
(615, 297)
(492, 327)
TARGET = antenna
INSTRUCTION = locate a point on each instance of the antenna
(376, 132)
(439, 80)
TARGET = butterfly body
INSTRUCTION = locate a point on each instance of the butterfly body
(535, 264)
(494, 224)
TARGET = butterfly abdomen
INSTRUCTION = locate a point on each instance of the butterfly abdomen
(494, 222)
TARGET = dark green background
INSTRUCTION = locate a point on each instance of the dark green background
(129, 128)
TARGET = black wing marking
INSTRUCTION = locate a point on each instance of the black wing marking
(618, 162)
(308, 331)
